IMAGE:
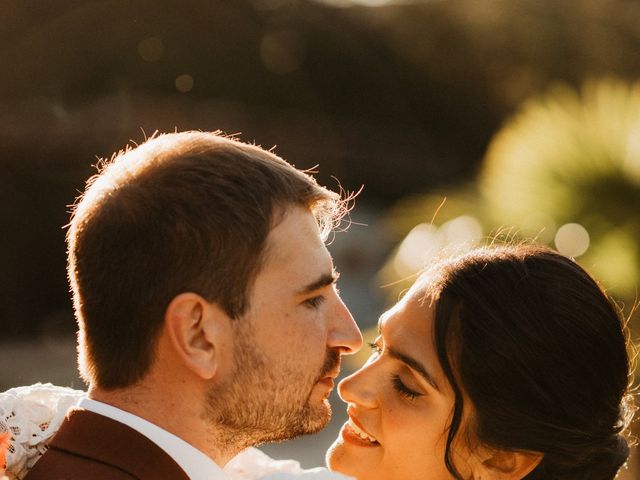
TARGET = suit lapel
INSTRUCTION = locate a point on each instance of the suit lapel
(91, 435)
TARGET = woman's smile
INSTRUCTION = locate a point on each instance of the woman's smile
(353, 433)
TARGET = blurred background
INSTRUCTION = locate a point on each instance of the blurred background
(464, 120)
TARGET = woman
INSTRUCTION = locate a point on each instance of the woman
(506, 363)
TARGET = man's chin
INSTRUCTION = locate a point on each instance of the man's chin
(313, 420)
(320, 419)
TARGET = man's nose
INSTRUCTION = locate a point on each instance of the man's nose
(344, 333)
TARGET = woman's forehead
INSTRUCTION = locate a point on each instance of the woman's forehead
(411, 316)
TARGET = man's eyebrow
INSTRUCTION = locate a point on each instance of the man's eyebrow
(323, 281)
(406, 359)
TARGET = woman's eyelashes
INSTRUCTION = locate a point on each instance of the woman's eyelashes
(403, 390)
(397, 382)
(375, 346)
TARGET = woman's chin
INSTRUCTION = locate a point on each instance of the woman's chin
(341, 459)
(332, 452)
(335, 457)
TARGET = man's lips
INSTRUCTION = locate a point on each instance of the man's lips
(334, 374)
(331, 367)
(328, 380)
(329, 376)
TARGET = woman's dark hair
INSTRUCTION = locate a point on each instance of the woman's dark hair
(541, 353)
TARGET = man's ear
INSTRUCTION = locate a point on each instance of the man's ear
(508, 465)
(196, 330)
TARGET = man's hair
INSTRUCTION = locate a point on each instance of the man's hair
(183, 212)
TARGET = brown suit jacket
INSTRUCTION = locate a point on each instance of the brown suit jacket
(89, 446)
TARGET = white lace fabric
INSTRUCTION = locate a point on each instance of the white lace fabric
(33, 415)
(252, 464)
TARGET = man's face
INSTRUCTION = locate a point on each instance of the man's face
(288, 344)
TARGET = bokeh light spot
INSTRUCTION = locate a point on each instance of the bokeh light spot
(572, 240)
(184, 83)
(419, 245)
(538, 225)
(464, 229)
(151, 49)
(426, 242)
(282, 52)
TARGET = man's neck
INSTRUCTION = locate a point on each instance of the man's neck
(173, 414)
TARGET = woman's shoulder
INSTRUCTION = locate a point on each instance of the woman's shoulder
(252, 464)
(32, 414)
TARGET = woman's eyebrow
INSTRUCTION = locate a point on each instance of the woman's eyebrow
(408, 360)
(414, 364)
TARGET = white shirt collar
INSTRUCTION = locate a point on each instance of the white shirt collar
(196, 464)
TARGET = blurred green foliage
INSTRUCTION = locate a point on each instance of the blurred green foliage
(566, 157)
(402, 98)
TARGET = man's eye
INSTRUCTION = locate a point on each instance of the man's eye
(314, 302)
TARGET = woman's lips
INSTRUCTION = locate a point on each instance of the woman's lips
(353, 433)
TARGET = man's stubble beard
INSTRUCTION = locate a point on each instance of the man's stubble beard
(258, 405)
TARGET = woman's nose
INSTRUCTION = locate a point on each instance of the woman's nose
(359, 389)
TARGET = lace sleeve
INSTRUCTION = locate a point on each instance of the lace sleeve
(252, 464)
(32, 415)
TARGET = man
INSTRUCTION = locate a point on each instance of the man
(208, 314)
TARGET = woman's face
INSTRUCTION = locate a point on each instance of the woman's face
(399, 402)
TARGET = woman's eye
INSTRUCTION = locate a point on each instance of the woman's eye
(375, 346)
(403, 390)
(314, 302)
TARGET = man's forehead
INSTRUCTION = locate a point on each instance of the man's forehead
(297, 234)
(294, 251)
